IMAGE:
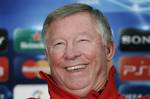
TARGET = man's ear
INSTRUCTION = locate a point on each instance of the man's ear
(46, 52)
(110, 50)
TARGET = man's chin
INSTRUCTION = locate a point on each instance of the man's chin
(77, 84)
(77, 87)
(78, 90)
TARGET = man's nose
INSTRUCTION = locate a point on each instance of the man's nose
(71, 52)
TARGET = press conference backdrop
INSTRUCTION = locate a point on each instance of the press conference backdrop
(21, 47)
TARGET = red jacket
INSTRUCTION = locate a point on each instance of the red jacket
(110, 91)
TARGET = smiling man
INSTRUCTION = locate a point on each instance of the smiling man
(80, 48)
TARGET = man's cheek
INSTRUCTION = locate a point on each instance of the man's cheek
(90, 53)
(55, 59)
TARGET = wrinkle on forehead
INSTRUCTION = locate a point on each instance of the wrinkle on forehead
(67, 21)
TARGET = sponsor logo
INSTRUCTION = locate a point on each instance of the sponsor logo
(31, 42)
(134, 68)
(31, 68)
(135, 40)
(2, 96)
(136, 96)
(135, 91)
(4, 69)
(3, 40)
(5, 93)
(36, 91)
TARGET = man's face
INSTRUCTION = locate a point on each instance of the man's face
(76, 53)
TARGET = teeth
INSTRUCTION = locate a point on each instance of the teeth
(75, 67)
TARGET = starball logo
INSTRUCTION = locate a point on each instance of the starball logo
(134, 40)
(134, 68)
(26, 40)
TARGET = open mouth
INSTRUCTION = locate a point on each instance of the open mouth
(75, 68)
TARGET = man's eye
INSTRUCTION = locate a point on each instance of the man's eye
(59, 43)
(84, 40)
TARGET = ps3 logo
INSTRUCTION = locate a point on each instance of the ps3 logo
(134, 68)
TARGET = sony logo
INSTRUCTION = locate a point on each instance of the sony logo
(134, 40)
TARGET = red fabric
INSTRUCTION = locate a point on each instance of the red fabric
(110, 91)
(144, 97)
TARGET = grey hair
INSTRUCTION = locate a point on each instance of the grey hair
(103, 26)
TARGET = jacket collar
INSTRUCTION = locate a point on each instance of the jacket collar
(110, 90)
